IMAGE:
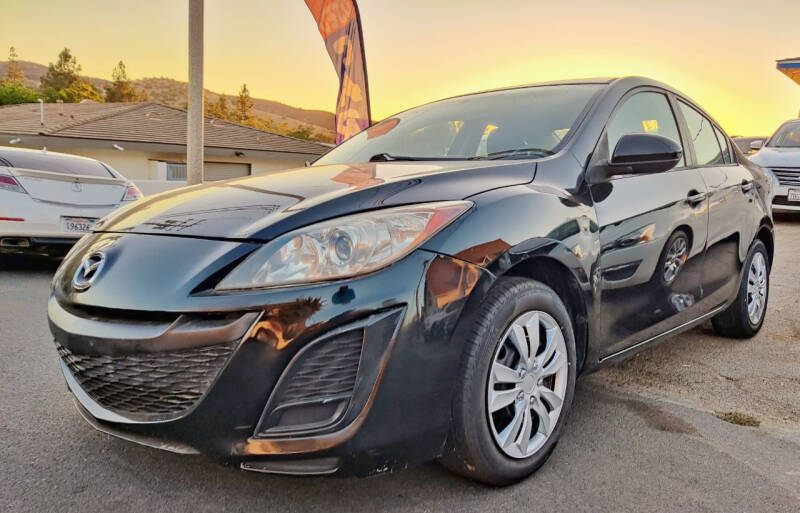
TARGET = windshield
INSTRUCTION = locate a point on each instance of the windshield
(528, 122)
(787, 136)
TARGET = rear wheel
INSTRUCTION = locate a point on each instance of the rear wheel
(744, 317)
(516, 384)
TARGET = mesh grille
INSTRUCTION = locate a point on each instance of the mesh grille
(148, 383)
(327, 370)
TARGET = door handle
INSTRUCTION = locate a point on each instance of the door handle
(694, 197)
(747, 185)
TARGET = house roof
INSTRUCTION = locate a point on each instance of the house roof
(143, 122)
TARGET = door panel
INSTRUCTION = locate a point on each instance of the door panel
(637, 219)
(730, 223)
(730, 230)
(645, 289)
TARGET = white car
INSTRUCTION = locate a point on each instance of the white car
(49, 200)
(780, 157)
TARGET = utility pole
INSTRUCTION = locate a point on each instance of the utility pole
(194, 118)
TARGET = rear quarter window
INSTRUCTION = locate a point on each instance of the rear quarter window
(58, 164)
(723, 143)
(701, 132)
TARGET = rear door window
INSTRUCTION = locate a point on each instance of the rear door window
(701, 132)
(62, 164)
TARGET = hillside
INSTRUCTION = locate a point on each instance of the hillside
(173, 92)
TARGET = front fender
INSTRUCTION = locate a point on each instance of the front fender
(513, 225)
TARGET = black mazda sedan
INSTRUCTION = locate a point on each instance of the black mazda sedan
(429, 289)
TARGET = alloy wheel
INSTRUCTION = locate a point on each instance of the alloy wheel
(527, 384)
(757, 288)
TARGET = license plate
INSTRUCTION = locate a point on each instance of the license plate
(77, 224)
(794, 195)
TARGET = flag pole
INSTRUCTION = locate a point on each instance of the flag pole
(194, 118)
(364, 57)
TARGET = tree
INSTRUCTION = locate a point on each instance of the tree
(63, 73)
(11, 93)
(301, 132)
(14, 73)
(222, 107)
(121, 89)
(80, 90)
(244, 104)
(219, 109)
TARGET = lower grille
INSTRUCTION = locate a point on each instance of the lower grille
(317, 387)
(167, 383)
(787, 175)
(329, 371)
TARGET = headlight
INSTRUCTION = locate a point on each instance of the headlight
(343, 247)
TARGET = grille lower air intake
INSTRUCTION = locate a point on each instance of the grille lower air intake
(787, 175)
(148, 384)
(317, 387)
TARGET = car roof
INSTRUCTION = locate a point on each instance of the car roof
(622, 83)
(578, 81)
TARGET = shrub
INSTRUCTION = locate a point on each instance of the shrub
(11, 93)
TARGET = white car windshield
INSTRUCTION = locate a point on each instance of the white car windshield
(787, 136)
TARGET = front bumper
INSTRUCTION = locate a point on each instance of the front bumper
(396, 414)
(789, 178)
(781, 203)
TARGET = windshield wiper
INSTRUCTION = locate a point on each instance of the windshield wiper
(535, 152)
(386, 157)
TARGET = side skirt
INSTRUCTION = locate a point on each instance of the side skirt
(674, 331)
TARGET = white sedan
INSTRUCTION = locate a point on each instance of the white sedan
(780, 156)
(49, 200)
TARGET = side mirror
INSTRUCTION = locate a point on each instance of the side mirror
(643, 154)
(756, 145)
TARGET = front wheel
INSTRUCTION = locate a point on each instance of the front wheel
(744, 317)
(516, 384)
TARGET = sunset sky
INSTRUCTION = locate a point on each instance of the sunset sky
(721, 53)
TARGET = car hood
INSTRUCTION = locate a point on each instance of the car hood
(777, 157)
(263, 207)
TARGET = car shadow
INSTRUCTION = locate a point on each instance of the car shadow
(786, 218)
(428, 487)
(27, 264)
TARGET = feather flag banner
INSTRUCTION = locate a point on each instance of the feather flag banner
(339, 24)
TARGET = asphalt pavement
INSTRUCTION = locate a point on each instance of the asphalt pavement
(634, 441)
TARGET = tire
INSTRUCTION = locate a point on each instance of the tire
(474, 447)
(735, 321)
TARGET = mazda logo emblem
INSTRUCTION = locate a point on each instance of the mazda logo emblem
(77, 187)
(90, 267)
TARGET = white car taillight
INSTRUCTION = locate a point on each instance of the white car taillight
(132, 193)
(9, 183)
